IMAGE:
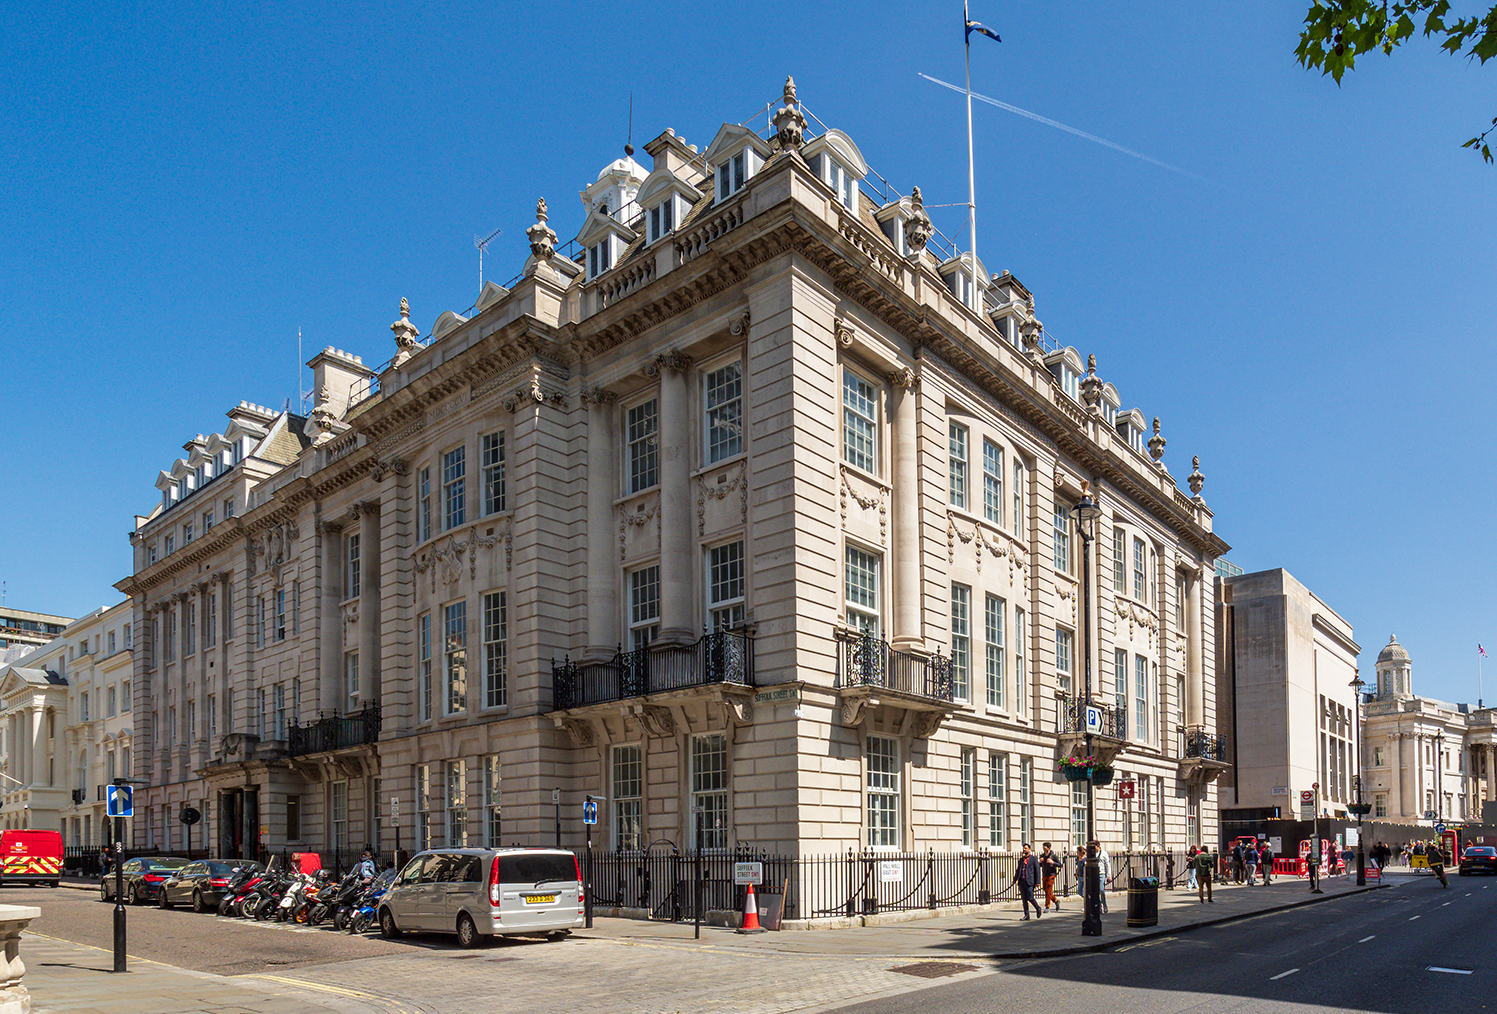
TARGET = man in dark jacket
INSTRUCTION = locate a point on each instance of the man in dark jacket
(1049, 870)
(1027, 876)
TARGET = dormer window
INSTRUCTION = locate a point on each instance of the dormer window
(842, 181)
(1070, 382)
(961, 287)
(1130, 426)
(662, 219)
(599, 257)
(182, 489)
(731, 175)
(1065, 367)
(960, 273)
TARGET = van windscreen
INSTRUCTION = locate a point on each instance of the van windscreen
(536, 869)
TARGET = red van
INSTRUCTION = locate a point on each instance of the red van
(31, 856)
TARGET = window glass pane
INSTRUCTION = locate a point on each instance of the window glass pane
(491, 459)
(859, 422)
(883, 792)
(1063, 659)
(454, 487)
(644, 606)
(997, 801)
(957, 444)
(495, 651)
(709, 791)
(992, 482)
(961, 640)
(643, 450)
(724, 403)
(725, 585)
(993, 610)
(455, 655)
(1062, 529)
(628, 788)
(861, 591)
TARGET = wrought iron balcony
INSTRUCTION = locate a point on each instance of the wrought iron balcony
(334, 732)
(724, 656)
(1070, 717)
(1201, 744)
(866, 661)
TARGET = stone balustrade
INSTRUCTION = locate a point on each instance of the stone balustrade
(13, 996)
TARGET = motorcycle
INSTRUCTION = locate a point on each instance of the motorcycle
(367, 903)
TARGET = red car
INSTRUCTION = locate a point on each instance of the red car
(1479, 859)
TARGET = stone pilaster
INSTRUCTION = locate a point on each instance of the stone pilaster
(602, 486)
(676, 432)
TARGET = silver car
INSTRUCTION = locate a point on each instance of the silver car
(479, 893)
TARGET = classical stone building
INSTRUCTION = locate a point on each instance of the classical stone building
(1424, 760)
(65, 726)
(19, 628)
(751, 516)
(1287, 710)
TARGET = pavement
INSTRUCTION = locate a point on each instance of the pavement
(622, 958)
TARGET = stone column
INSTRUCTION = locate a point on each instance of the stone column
(907, 634)
(1395, 792)
(602, 563)
(329, 613)
(369, 604)
(38, 717)
(1195, 687)
(1491, 751)
(676, 566)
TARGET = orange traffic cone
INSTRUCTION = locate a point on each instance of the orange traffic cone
(751, 913)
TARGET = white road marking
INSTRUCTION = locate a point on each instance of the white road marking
(1282, 974)
(1452, 971)
(1365, 939)
(1412, 918)
(1445, 905)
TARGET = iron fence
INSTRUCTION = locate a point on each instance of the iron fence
(662, 881)
(867, 661)
(335, 732)
(1201, 743)
(723, 656)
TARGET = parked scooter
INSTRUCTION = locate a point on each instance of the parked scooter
(368, 900)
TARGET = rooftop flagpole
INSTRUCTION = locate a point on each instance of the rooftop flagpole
(971, 170)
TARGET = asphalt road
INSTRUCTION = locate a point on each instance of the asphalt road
(1404, 950)
(205, 943)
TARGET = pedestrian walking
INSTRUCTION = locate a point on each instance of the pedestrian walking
(1237, 862)
(1204, 871)
(1250, 864)
(1027, 876)
(1330, 859)
(1104, 864)
(1049, 870)
(1190, 868)
(1265, 861)
(1312, 866)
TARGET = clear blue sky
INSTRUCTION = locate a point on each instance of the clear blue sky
(186, 185)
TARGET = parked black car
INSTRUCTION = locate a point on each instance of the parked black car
(143, 878)
(201, 884)
(1479, 859)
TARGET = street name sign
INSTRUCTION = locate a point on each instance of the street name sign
(748, 873)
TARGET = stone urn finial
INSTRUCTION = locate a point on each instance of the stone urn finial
(323, 420)
(1156, 442)
(542, 239)
(1091, 385)
(789, 122)
(406, 334)
(1031, 330)
(917, 228)
(1195, 478)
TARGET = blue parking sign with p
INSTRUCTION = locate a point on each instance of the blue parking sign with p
(589, 812)
(119, 801)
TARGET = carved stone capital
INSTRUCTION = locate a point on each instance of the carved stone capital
(598, 396)
(902, 380)
(328, 527)
(361, 507)
(843, 332)
(379, 469)
(739, 325)
(674, 360)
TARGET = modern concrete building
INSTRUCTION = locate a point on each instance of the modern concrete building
(1424, 760)
(1288, 713)
(19, 628)
(752, 516)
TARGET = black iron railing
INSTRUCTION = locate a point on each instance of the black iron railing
(1070, 717)
(724, 656)
(1203, 744)
(334, 732)
(866, 661)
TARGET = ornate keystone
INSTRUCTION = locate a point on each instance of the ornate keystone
(1156, 442)
(406, 334)
(789, 123)
(542, 239)
(917, 228)
(1091, 385)
(1195, 478)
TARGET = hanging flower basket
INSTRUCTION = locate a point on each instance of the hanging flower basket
(1101, 775)
(1076, 769)
(1359, 809)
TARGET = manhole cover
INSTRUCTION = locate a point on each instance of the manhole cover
(933, 969)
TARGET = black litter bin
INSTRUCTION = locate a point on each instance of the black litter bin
(1143, 901)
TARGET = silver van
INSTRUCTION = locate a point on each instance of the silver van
(478, 893)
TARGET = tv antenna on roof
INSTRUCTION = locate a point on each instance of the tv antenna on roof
(482, 245)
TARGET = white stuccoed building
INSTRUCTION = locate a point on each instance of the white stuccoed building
(751, 518)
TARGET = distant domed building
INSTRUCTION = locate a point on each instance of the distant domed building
(1424, 760)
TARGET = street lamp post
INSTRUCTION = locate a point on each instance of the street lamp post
(1086, 512)
(1357, 684)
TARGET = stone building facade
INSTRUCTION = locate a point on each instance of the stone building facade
(752, 518)
(1424, 760)
(1289, 711)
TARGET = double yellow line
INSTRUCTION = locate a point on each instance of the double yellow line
(380, 1002)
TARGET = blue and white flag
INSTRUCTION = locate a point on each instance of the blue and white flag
(978, 26)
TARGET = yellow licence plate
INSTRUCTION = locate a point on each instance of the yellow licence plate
(540, 899)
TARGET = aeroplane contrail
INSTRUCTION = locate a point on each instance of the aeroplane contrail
(1070, 130)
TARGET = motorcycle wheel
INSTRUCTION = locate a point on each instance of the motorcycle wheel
(340, 919)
